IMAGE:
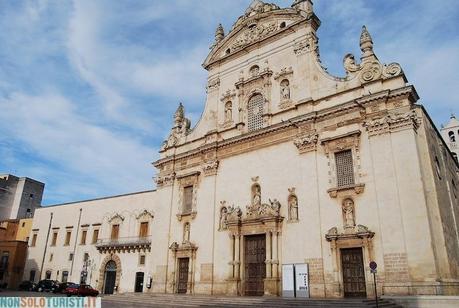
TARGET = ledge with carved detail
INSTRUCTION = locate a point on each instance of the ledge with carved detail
(192, 214)
(354, 188)
(359, 231)
(124, 244)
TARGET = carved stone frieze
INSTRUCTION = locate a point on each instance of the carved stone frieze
(284, 72)
(302, 47)
(163, 180)
(340, 143)
(306, 142)
(258, 210)
(253, 34)
(210, 167)
(393, 122)
(213, 84)
(359, 231)
(228, 95)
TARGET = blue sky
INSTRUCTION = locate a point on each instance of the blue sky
(88, 88)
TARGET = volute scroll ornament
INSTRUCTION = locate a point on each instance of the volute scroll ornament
(306, 142)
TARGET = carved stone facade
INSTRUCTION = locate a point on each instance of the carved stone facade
(288, 164)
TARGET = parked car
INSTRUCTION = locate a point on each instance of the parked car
(47, 285)
(62, 286)
(27, 286)
(81, 290)
(71, 289)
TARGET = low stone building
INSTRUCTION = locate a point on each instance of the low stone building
(287, 165)
(14, 235)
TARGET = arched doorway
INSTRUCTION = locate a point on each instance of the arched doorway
(110, 277)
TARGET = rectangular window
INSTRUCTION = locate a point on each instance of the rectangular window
(95, 236)
(4, 261)
(34, 240)
(143, 229)
(65, 275)
(68, 235)
(142, 260)
(187, 199)
(50, 257)
(54, 240)
(344, 168)
(32, 275)
(115, 232)
(70, 256)
(83, 237)
(48, 275)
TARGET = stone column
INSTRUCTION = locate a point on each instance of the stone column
(268, 255)
(237, 256)
(275, 255)
(231, 263)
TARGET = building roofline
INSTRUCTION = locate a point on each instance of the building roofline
(96, 199)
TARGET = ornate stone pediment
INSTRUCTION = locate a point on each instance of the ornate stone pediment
(145, 213)
(359, 231)
(116, 216)
(263, 209)
(393, 122)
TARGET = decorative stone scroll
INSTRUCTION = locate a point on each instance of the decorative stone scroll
(306, 142)
(283, 73)
(213, 84)
(210, 167)
(165, 179)
(392, 123)
(370, 69)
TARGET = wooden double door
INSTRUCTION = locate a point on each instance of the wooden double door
(353, 272)
(182, 282)
(254, 264)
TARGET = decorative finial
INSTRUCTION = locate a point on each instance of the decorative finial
(304, 5)
(219, 33)
(366, 44)
(179, 115)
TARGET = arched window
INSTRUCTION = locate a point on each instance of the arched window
(452, 138)
(255, 112)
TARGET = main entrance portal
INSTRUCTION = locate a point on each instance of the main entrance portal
(255, 268)
(183, 264)
(353, 272)
(110, 277)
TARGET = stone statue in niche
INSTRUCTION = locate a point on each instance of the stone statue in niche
(256, 195)
(228, 112)
(285, 90)
(223, 218)
(348, 214)
(186, 233)
(293, 208)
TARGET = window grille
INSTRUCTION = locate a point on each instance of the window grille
(344, 168)
(187, 199)
(255, 112)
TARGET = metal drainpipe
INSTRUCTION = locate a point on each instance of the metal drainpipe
(46, 246)
(76, 240)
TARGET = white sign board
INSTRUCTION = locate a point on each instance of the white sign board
(288, 282)
(302, 280)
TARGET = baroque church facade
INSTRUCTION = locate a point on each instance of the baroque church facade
(287, 165)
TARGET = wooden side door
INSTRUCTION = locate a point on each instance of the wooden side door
(353, 272)
(254, 264)
(182, 283)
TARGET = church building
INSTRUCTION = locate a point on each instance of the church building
(287, 165)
